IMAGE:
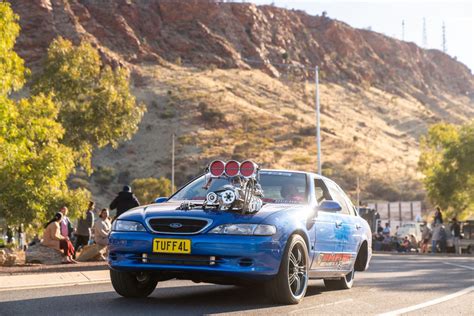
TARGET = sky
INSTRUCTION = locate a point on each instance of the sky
(386, 16)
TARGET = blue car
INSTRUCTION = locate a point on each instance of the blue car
(238, 224)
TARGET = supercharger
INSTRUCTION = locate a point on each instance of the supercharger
(243, 193)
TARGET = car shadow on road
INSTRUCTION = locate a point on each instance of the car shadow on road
(185, 300)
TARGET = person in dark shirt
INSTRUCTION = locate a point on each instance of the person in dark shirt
(84, 226)
(438, 217)
(456, 230)
(124, 201)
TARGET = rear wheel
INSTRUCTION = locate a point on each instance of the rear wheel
(290, 284)
(130, 284)
(343, 283)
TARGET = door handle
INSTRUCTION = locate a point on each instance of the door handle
(358, 226)
(338, 224)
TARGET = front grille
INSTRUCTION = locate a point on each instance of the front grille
(178, 225)
(188, 260)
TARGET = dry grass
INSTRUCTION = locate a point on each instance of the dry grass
(369, 131)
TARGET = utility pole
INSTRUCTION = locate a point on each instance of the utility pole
(403, 30)
(445, 49)
(425, 36)
(172, 163)
(318, 121)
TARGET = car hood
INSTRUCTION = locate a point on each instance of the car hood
(218, 217)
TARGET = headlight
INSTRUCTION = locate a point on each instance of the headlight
(244, 229)
(127, 226)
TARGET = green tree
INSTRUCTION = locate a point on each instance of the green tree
(97, 107)
(12, 69)
(34, 164)
(447, 161)
(148, 189)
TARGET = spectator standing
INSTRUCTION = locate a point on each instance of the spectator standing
(456, 231)
(84, 227)
(124, 201)
(425, 238)
(66, 226)
(53, 238)
(442, 238)
(438, 217)
(21, 237)
(436, 237)
(9, 235)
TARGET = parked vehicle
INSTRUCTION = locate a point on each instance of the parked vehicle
(241, 225)
(467, 241)
(410, 228)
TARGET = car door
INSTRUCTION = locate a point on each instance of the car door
(341, 219)
(325, 229)
(354, 225)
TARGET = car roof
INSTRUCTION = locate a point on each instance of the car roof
(315, 175)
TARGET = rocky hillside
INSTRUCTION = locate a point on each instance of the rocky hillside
(235, 80)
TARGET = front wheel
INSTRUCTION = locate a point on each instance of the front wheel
(290, 284)
(343, 283)
(130, 284)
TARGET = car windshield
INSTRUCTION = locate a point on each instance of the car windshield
(278, 187)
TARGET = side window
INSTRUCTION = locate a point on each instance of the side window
(338, 196)
(321, 191)
(351, 207)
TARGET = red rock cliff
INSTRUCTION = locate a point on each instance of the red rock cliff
(242, 35)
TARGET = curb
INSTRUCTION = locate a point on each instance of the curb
(45, 280)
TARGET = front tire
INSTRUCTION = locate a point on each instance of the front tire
(343, 283)
(290, 284)
(129, 284)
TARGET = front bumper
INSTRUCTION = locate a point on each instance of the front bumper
(237, 256)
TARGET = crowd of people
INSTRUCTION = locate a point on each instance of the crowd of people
(434, 237)
(61, 234)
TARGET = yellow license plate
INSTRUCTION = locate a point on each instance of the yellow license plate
(165, 245)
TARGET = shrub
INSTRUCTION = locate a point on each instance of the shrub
(148, 189)
(307, 131)
(124, 177)
(291, 116)
(297, 141)
(209, 115)
(186, 139)
(104, 175)
(76, 183)
(168, 113)
(301, 160)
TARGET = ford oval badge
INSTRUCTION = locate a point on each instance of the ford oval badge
(176, 225)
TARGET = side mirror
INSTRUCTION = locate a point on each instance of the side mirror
(161, 200)
(330, 206)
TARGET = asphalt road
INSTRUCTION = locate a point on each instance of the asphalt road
(393, 282)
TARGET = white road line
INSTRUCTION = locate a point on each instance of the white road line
(428, 303)
(459, 265)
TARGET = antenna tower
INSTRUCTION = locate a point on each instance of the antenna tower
(403, 30)
(425, 36)
(445, 49)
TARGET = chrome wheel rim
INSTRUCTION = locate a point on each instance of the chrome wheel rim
(297, 271)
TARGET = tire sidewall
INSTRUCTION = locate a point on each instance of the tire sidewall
(284, 267)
